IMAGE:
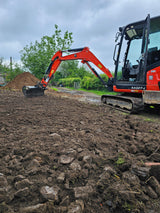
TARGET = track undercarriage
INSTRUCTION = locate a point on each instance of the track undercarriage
(124, 103)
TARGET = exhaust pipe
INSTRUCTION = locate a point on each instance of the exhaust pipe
(33, 91)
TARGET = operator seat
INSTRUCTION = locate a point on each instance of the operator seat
(153, 55)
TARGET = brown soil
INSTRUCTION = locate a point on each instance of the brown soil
(19, 81)
(62, 155)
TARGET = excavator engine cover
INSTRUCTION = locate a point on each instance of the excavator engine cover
(32, 91)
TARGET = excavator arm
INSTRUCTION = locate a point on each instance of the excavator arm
(83, 54)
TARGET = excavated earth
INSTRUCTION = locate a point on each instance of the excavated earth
(58, 154)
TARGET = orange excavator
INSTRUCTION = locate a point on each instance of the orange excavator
(137, 67)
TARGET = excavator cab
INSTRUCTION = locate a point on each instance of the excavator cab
(138, 53)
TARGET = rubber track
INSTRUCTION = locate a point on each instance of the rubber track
(137, 103)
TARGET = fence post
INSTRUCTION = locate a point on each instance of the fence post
(76, 85)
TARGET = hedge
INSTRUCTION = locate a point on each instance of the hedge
(86, 83)
(69, 82)
(93, 83)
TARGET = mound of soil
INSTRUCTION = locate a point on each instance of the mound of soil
(20, 80)
(61, 155)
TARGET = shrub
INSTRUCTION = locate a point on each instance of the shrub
(86, 82)
(93, 82)
(69, 82)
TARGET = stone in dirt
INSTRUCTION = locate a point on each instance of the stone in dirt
(70, 152)
(64, 159)
(109, 170)
(33, 167)
(75, 166)
(130, 178)
(83, 191)
(56, 137)
(87, 159)
(34, 163)
(50, 193)
(36, 208)
(84, 173)
(76, 207)
(61, 177)
(22, 184)
(21, 193)
(79, 150)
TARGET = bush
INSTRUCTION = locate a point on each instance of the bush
(11, 74)
(86, 83)
(93, 82)
(69, 82)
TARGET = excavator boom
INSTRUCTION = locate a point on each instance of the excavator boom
(83, 54)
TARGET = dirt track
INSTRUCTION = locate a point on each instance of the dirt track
(61, 155)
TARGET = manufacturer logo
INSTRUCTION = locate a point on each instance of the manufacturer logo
(139, 88)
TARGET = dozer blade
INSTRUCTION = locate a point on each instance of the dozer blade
(32, 91)
(151, 97)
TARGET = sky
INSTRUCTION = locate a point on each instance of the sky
(93, 23)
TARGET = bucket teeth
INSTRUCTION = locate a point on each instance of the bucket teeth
(32, 91)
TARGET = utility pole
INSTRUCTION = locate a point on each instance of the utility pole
(11, 63)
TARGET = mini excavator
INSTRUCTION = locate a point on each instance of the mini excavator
(137, 67)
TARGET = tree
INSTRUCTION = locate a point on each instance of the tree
(68, 69)
(3, 68)
(72, 69)
(36, 57)
(12, 73)
(9, 73)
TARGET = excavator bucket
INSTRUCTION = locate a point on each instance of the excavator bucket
(33, 91)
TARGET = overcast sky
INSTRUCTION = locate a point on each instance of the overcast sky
(94, 23)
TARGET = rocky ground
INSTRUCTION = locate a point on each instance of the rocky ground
(62, 155)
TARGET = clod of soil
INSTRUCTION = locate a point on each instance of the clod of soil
(61, 155)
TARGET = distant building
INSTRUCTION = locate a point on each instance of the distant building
(2, 81)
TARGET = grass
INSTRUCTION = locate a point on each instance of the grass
(97, 92)
(54, 88)
(120, 161)
(148, 119)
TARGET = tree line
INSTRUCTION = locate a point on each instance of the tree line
(9, 72)
(36, 58)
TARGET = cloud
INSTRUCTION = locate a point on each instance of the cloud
(93, 23)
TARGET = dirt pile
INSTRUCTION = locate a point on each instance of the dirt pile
(60, 155)
(19, 81)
